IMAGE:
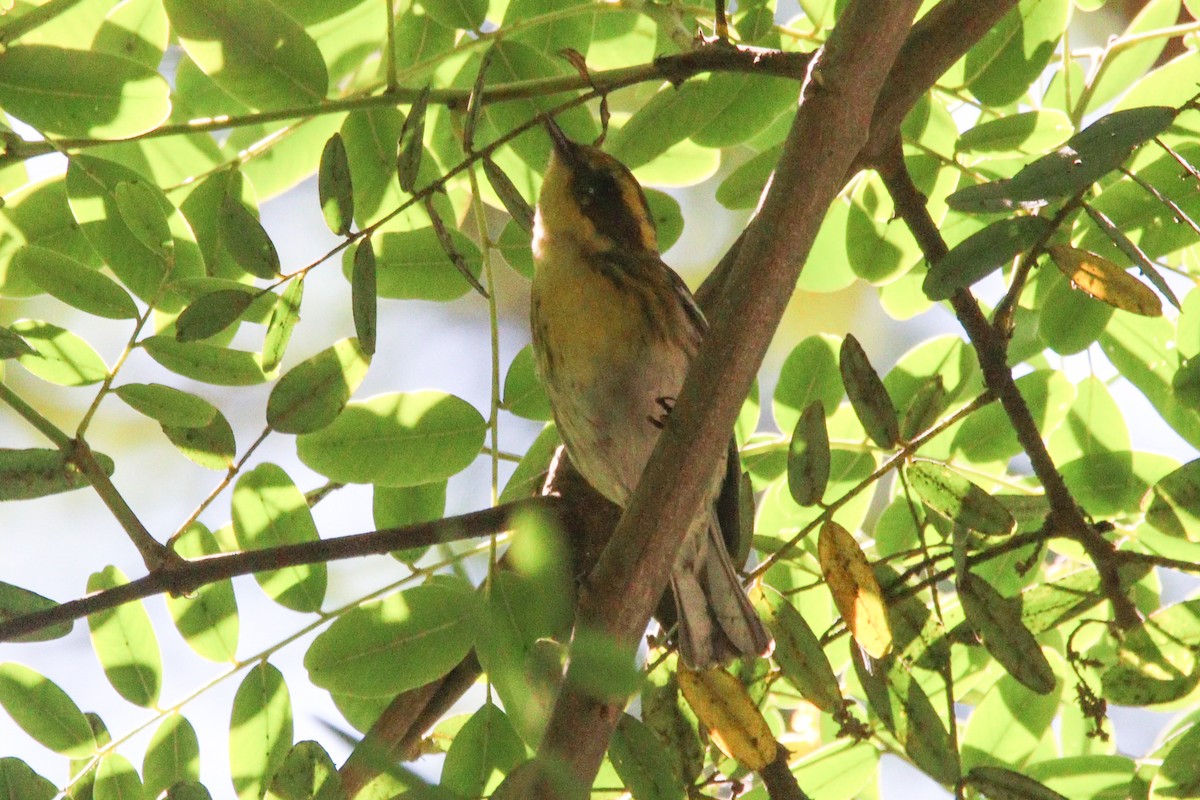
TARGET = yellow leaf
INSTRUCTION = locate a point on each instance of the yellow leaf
(855, 591)
(733, 722)
(1106, 281)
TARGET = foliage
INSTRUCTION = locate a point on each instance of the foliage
(949, 611)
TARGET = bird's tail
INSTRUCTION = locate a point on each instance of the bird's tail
(717, 624)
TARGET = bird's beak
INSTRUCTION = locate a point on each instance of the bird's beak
(564, 147)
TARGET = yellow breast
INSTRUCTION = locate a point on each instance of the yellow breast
(580, 315)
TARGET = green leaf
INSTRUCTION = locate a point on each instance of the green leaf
(959, 500)
(485, 750)
(1121, 67)
(246, 240)
(1179, 774)
(191, 290)
(76, 284)
(997, 620)
(1086, 158)
(38, 213)
(982, 253)
(841, 769)
(211, 314)
(528, 477)
(999, 783)
(1069, 320)
(26, 474)
(125, 644)
(988, 435)
(16, 602)
(1143, 351)
(393, 507)
(283, 320)
(167, 405)
(370, 137)
(798, 651)
(92, 191)
(411, 265)
(269, 511)
(742, 188)
(667, 217)
(809, 373)
(136, 29)
(927, 404)
(870, 400)
(81, 93)
(420, 39)
(516, 246)
(674, 113)
(188, 790)
(260, 730)
(411, 143)
(510, 196)
(515, 62)
(1156, 661)
(18, 780)
(364, 295)
(12, 345)
(1030, 132)
(1013, 53)
(465, 14)
(751, 103)
(642, 762)
(926, 740)
(335, 189)
(207, 618)
(399, 439)
(116, 779)
(1172, 505)
(523, 392)
(202, 208)
(206, 362)
(61, 357)
(212, 446)
(252, 50)
(311, 394)
(808, 456)
(45, 712)
(308, 772)
(141, 210)
(399, 643)
(173, 755)
(1096, 776)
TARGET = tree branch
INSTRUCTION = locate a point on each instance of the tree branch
(192, 574)
(674, 68)
(936, 42)
(829, 130)
(991, 351)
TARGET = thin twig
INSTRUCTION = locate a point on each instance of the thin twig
(189, 575)
(990, 350)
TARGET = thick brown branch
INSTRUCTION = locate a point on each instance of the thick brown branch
(191, 575)
(829, 130)
(991, 352)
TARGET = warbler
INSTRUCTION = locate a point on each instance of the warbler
(614, 332)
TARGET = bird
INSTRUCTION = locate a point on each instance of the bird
(614, 331)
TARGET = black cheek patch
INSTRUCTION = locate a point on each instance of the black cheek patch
(599, 197)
